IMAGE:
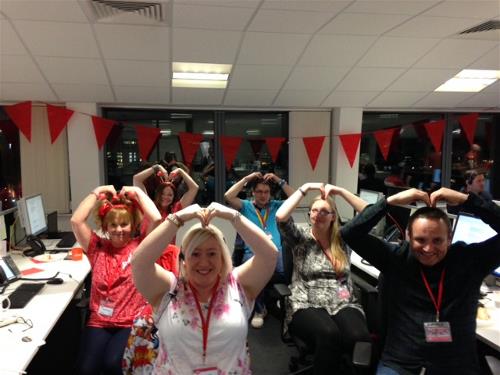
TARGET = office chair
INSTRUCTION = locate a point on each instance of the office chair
(302, 363)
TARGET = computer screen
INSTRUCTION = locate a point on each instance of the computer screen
(370, 196)
(470, 229)
(33, 214)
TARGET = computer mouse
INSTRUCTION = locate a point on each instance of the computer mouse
(55, 281)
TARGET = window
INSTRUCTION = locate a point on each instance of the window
(10, 163)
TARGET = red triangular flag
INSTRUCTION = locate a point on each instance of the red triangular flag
(20, 114)
(274, 145)
(58, 120)
(313, 148)
(102, 128)
(435, 131)
(350, 144)
(146, 138)
(189, 144)
(230, 147)
(384, 140)
(469, 123)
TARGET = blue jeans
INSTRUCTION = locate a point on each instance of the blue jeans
(384, 370)
(101, 351)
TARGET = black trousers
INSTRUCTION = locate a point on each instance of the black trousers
(329, 336)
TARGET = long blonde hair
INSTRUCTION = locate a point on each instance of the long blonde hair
(337, 252)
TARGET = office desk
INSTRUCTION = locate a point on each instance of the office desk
(44, 310)
(488, 333)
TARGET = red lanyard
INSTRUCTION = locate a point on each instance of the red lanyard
(437, 304)
(262, 219)
(205, 322)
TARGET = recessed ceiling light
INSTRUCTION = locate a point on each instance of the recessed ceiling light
(470, 80)
(196, 75)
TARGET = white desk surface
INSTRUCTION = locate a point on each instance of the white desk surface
(44, 310)
(486, 331)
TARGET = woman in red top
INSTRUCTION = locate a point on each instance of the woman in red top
(114, 300)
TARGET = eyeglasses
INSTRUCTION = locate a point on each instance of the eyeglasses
(315, 211)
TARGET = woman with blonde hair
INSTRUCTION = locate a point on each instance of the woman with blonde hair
(114, 301)
(322, 310)
(202, 316)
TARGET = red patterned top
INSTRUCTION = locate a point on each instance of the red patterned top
(114, 300)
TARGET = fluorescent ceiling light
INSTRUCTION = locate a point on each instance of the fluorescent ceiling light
(470, 80)
(166, 132)
(253, 131)
(197, 75)
(207, 132)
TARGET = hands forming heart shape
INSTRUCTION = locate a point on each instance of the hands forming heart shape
(205, 215)
(451, 197)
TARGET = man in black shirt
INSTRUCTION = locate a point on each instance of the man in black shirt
(431, 288)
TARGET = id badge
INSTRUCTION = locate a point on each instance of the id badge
(106, 308)
(437, 332)
(269, 235)
(206, 370)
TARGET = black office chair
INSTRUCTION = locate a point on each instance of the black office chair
(302, 363)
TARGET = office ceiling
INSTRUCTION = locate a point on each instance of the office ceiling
(295, 54)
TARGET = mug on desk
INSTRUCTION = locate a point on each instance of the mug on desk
(76, 253)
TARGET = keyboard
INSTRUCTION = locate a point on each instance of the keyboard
(23, 294)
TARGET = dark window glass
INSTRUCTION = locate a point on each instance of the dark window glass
(10, 162)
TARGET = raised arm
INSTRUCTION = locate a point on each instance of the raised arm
(150, 279)
(139, 178)
(231, 195)
(293, 201)
(281, 182)
(188, 197)
(356, 202)
(81, 229)
(149, 209)
(257, 271)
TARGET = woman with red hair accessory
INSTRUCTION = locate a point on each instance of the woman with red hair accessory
(114, 300)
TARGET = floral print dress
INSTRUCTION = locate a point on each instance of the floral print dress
(180, 331)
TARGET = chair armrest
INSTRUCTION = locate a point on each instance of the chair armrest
(282, 290)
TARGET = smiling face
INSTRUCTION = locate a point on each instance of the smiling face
(118, 225)
(429, 240)
(204, 263)
(322, 214)
(166, 197)
(262, 194)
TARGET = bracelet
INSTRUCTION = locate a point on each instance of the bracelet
(96, 195)
(282, 183)
(302, 192)
(174, 219)
(236, 215)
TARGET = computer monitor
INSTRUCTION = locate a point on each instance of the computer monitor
(471, 229)
(370, 196)
(32, 215)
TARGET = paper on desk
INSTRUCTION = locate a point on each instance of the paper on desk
(30, 271)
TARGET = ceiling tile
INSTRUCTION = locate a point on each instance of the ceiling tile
(482, 100)
(27, 91)
(19, 69)
(139, 73)
(422, 79)
(210, 17)
(442, 99)
(335, 50)
(10, 44)
(58, 38)
(282, 21)
(391, 7)
(490, 60)
(264, 77)
(142, 94)
(396, 52)
(84, 93)
(182, 96)
(462, 8)
(363, 24)
(250, 98)
(271, 48)
(368, 79)
(205, 46)
(308, 5)
(455, 53)
(69, 70)
(433, 27)
(314, 78)
(301, 98)
(349, 98)
(134, 42)
(396, 99)
(46, 10)
(222, 3)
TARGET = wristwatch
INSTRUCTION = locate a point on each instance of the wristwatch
(173, 218)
